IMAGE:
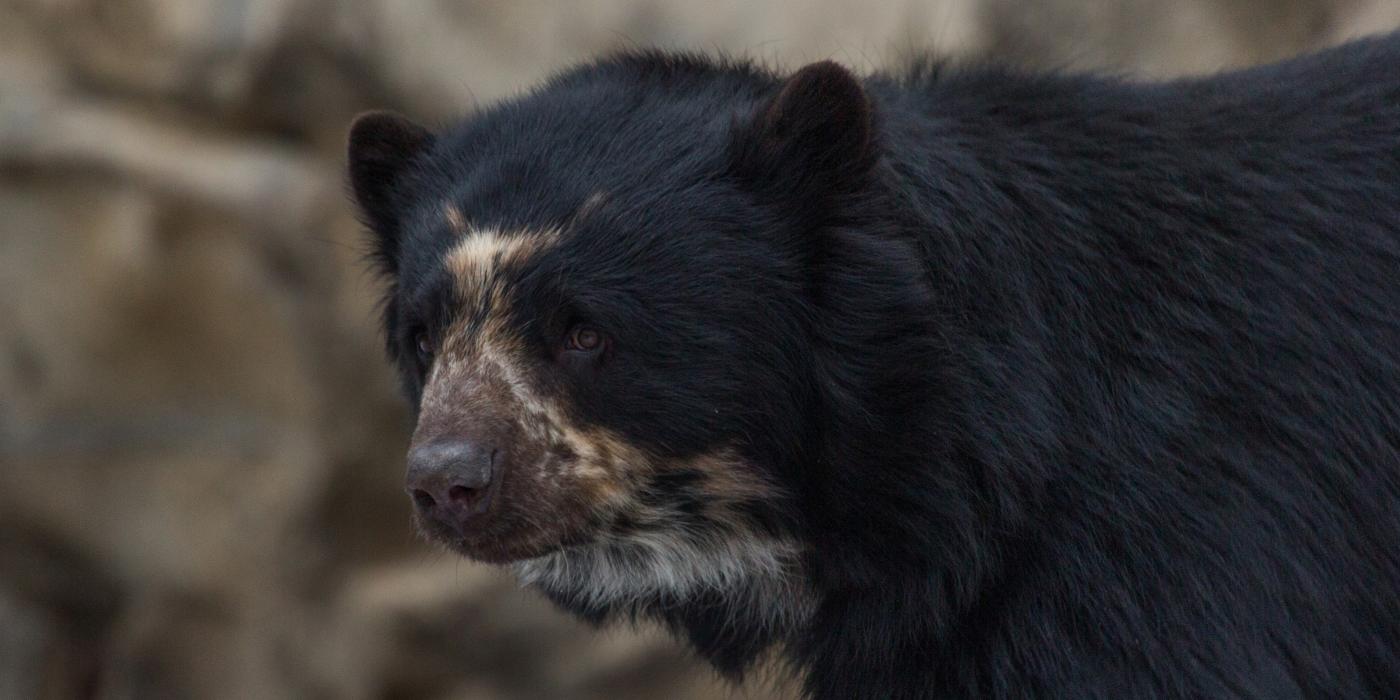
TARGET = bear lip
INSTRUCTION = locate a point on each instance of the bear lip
(507, 550)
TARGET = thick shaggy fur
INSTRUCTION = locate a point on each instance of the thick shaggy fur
(1065, 386)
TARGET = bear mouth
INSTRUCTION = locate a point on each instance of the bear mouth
(502, 551)
(511, 528)
(498, 543)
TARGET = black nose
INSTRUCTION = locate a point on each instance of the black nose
(449, 480)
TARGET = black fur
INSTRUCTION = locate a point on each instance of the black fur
(1079, 387)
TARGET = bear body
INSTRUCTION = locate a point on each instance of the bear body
(939, 383)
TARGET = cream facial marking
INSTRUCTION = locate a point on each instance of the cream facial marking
(482, 351)
(475, 261)
(747, 569)
(475, 264)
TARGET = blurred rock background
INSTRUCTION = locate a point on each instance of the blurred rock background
(200, 442)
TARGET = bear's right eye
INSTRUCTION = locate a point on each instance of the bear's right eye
(424, 345)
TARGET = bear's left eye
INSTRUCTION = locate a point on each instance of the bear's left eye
(584, 339)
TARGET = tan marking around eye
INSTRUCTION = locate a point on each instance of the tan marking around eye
(475, 261)
(492, 352)
(481, 342)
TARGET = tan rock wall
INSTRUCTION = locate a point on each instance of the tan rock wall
(200, 442)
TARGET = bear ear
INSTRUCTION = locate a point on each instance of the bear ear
(380, 148)
(812, 140)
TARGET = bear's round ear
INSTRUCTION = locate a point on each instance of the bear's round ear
(380, 148)
(815, 138)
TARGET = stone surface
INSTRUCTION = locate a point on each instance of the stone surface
(200, 441)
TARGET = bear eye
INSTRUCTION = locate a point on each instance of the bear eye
(584, 339)
(424, 345)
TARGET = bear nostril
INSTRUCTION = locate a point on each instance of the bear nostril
(423, 499)
(449, 479)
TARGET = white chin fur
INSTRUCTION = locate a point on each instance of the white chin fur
(757, 577)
